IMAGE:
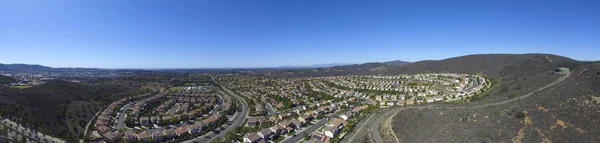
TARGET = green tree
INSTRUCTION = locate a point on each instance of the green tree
(306, 136)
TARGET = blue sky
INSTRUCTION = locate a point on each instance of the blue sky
(223, 33)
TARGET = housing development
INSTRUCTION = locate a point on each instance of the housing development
(253, 109)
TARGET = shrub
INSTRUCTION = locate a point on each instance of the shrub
(520, 115)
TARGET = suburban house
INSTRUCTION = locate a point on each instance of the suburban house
(339, 123)
(274, 118)
(438, 98)
(155, 119)
(181, 131)
(390, 103)
(129, 136)
(278, 129)
(347, 115)
(297, 123)
(304, 118)
(252, 138)
(253, 122)
(166, 119)
(287, 124)
(330, 131)
(158, 136)
(102, 129)
(193, 129)
(429, 99)
(410, 102)
(112, 137)
(170, 134)
(144, 136)
(266, 133)
(144, 121)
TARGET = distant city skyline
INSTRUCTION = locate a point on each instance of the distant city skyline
(247, 34)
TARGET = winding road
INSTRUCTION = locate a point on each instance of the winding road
(374, 126)
(237, 121)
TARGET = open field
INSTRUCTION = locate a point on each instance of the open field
(20, 86)
(176, 89)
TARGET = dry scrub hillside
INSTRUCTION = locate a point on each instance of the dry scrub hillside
(566, 112)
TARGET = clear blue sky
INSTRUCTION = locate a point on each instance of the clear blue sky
(222, 33)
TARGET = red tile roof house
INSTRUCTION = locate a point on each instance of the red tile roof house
(181, 131)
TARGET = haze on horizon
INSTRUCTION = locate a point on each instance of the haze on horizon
(218, 34)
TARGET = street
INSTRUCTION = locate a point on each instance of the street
(237, 121)
(300, 135)
(121, 118)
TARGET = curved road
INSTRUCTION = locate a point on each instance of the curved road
(237, 121)
(377, 123)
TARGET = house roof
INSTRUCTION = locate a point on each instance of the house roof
(253, 137)
(112, 135)
(170, 132)
(103, 129)
(143, 135)
(286, 123)
(330, 128)
(181, 130)
(158, 134)
(266, 131)
(337, 122)
(129, 135)
(296, 123)
(252, 120)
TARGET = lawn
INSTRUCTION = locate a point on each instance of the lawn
(291, 133)
(279, 139)
(176, 89)
(20, 86)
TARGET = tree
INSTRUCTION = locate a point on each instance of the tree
(185, 117)
(306, 136)
(174, 120)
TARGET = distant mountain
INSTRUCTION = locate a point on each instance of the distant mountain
(313, 66)
(396, 62)
(39, 68)
(22, 67)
